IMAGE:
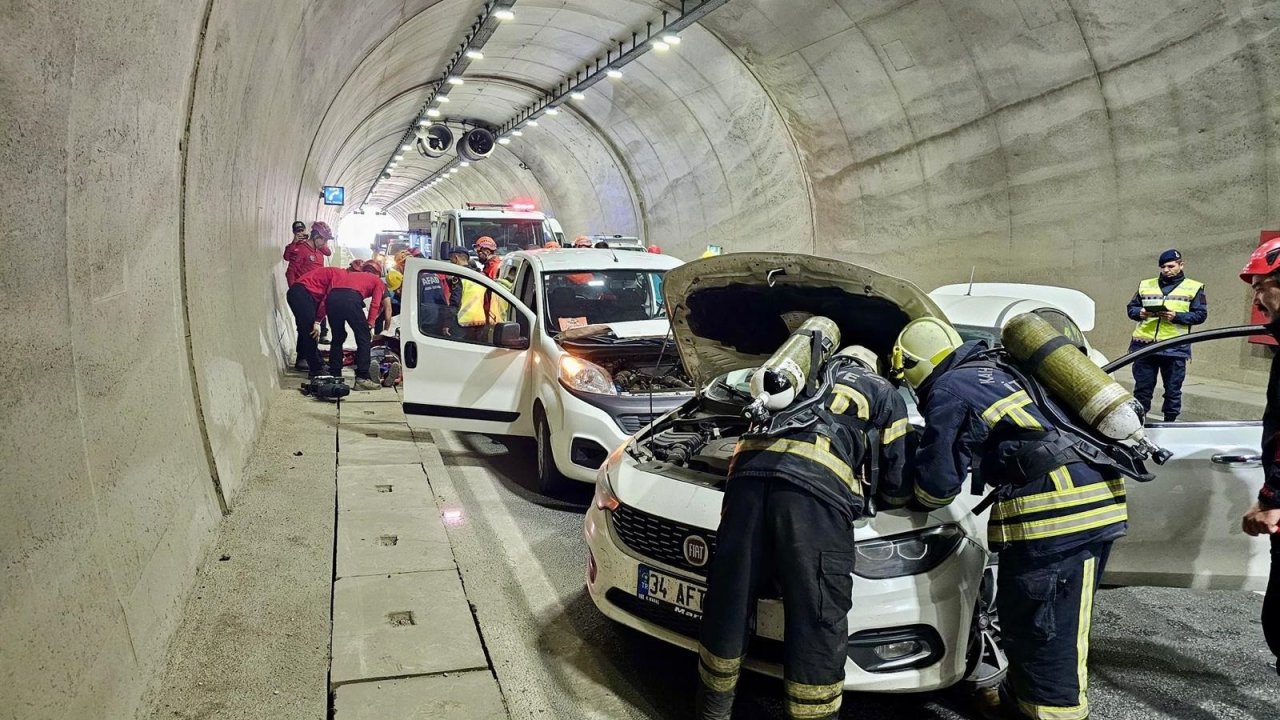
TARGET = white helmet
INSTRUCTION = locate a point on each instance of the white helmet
(922, 345)
(863, 355)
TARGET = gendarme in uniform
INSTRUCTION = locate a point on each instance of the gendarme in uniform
(1165, 306)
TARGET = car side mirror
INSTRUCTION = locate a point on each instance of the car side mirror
(507, 335)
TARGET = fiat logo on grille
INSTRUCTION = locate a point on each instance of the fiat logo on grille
(696, 552)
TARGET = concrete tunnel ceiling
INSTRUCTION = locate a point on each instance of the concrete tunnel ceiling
(1018, 135)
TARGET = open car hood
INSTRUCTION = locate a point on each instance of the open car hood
(726, 314)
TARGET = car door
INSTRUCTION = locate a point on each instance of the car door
(456, 377)
(1184, 526)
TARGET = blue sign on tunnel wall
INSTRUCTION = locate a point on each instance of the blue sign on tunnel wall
(334, 194)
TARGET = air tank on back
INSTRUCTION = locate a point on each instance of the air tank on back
(783, 376)
(1077, 382)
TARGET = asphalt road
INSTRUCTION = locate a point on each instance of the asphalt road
(1157, 653)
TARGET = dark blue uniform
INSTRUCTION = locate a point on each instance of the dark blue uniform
(1053, 531)
(1169, 364)
(789, 506)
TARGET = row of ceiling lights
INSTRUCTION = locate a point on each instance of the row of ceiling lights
(665, 40)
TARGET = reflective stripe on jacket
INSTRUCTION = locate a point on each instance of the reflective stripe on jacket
(967, 410)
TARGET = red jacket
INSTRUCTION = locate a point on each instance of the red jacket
(367, 284)
(491, 267)
(302, 259)
(317, 283)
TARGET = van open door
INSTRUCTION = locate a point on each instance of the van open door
(465, 351)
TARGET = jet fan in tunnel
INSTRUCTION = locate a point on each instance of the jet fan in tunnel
(477, 144)
(434, 140)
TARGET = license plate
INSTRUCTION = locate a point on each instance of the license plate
(683, 596)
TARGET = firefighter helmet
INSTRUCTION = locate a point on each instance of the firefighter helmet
(1264, 260)
(922, 345)
(863, 355)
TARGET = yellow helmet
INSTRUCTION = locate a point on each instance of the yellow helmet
(922, 345)
(863, 355)
(394, 279)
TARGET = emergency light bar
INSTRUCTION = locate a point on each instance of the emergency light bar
(518, 206)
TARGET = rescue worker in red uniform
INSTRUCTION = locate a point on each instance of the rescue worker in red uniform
(345, 306)
(1263, 273)
(307, 301)
(305, 254)
(1053, 523)
(792, 495)
(487, 253)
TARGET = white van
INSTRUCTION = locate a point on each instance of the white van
(570, 347)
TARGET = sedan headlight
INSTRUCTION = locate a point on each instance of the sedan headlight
(585, 376)
(907, 554)
(605, 498)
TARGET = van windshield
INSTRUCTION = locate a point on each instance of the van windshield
(591, 297)
(510, 234)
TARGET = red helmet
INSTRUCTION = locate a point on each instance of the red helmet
(582, 241)
(1264, 261)
(486, 243)
(654, 249)
(321, 229)
(372, 266)
(355, 264)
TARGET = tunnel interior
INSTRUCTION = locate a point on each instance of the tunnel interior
(159, 151)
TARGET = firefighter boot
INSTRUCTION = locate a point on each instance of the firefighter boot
(712, 705)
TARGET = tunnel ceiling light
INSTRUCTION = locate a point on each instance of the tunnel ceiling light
(423, 122)
(671, 39)
(453, 170)
(464, 163)
(532, 123)
(474, 54)
(393, 165)
(613, 73)
(398, 157)
(454, 80)
(578, 95)
(504, 140)
(504, 14)
(553, 111)
(517, 133)
(443, 99)
(660, 46)
(432, 113)
(406, 148)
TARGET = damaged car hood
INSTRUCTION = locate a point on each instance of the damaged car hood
(621, 330)
(733, 311)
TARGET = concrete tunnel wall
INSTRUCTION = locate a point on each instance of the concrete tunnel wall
(1061, 141)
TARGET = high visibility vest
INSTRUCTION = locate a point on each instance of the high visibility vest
(1155, 329)
(471, 309)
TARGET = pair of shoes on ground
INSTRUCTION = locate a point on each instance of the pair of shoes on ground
(366, 384)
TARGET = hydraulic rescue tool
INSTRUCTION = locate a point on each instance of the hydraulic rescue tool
(326, 387)
(1101, 402)
(793, 368)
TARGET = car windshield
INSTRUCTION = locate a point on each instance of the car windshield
(979, 332)
(590, 297)
(510, 234)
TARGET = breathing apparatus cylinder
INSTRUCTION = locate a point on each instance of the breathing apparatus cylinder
(1074, 379)
(782, 377)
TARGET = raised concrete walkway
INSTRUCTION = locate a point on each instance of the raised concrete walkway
(331, 590)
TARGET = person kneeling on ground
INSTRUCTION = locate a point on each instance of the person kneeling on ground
(345, 304)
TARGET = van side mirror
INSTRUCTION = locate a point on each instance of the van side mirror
(507, 335)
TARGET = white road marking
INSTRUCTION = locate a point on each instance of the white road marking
(526, 697)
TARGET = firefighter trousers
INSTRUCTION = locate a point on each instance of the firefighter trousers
(1046, 612)
(772, 526)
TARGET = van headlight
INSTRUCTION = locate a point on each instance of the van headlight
(585, 376)
(907, 554)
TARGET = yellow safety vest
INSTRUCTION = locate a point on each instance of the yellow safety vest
(1155, 329)
(475, 301)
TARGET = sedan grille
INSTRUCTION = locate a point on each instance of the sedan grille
(660, 539)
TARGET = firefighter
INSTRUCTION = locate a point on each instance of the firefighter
(1263, 273)
(306, 299)
(1053, 521)
(793, 493)
(487, 253)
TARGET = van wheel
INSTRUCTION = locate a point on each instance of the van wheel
(550, 480)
